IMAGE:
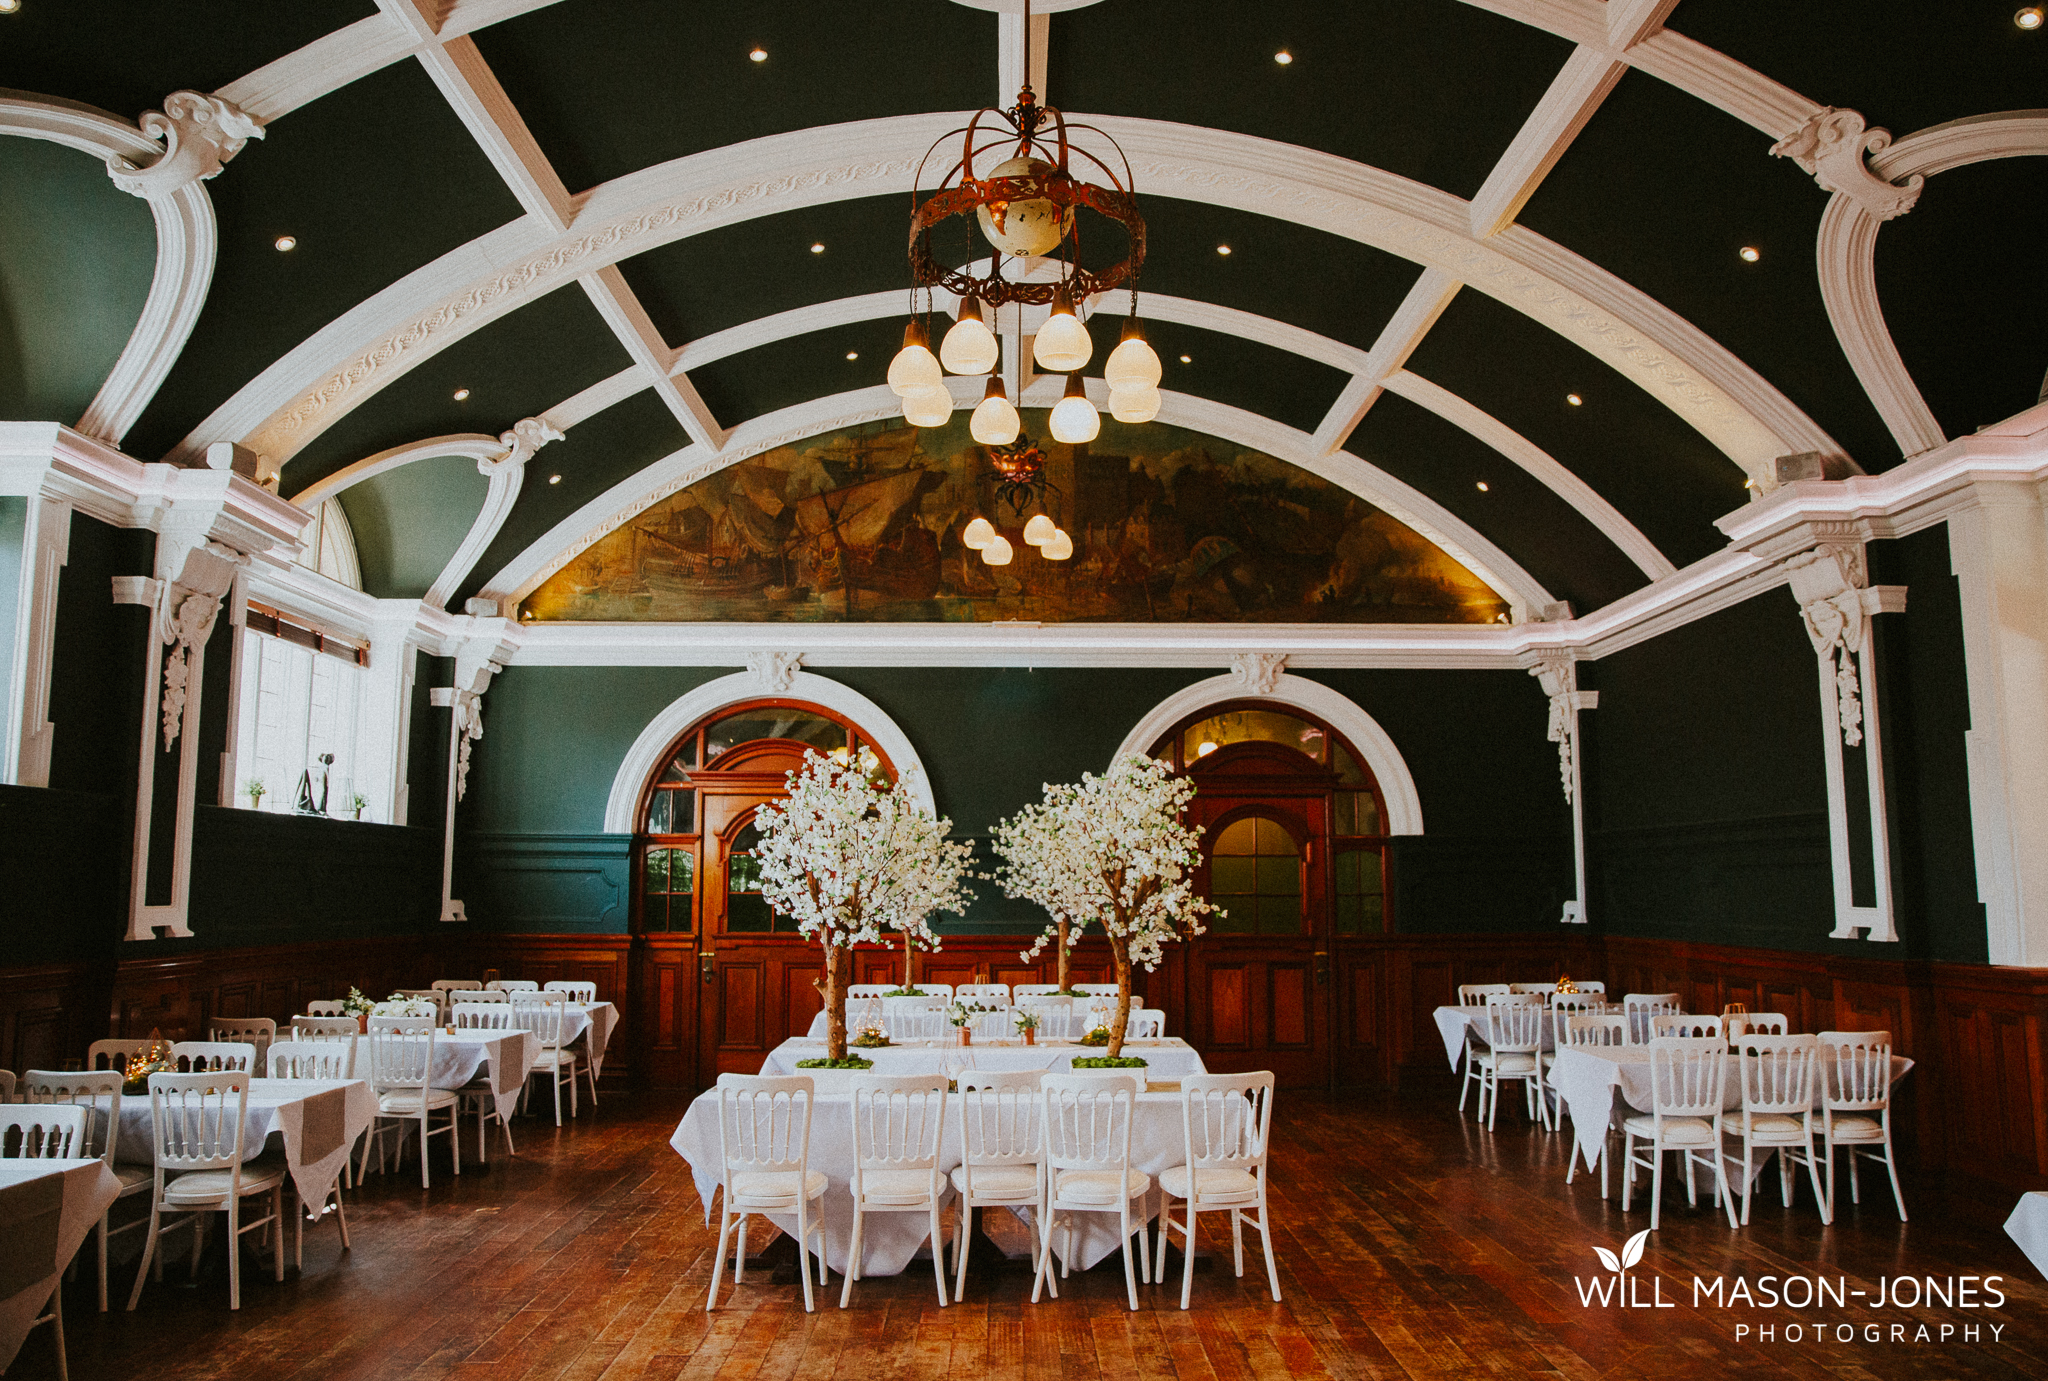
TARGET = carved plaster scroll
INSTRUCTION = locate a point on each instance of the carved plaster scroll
(776, 671)
(1834, 146)
(1258, 672)
(185, 616)
(1557, 671)
(1828, 582)
(200, 133)
(527, 436)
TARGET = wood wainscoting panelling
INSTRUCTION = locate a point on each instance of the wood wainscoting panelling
(49, 1014)
(600, 959)
(178, 994)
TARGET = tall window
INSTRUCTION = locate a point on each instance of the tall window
(1255, 877)
(301, 701)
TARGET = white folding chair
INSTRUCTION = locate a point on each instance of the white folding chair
(1586, 985)
(193, 1057)
(1777, 1112)
(915, 1018)
(1591, 1028)
(1096, 989)
(1020, 991)
(312, 1059)
(196, 1126)
(541, 1014)
(46, 1086)
(1741, 1024)
(256, 1031)
(436, 995)
(477, 1094)
(1055, 1015)
(995, 1024)
(764, 1148)
(326, 1007)
(861, 992)
(1002, 1155)
(114, 1054)
(1642, 1008)
(312, 1028)
(53, 1133)
(1514, 1038)
(1145, 1024)
(1688, 1079)
(456, 997)
(899, 1123)
(1562, 1007)
(1545, 988)
(1692, 1025)
(400, 1066)
(1857, 1070)
(1087, 1130)
(449, 985)
(996, 993)
(1475, 994)
(511, 985)
(1225, 1119)
(483, 1016)
(575, 990)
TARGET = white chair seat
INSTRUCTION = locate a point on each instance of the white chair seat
(999, 1181)
(1857, 1129)
(555, 1059)
(752, 1185)
(1099, 1186)
(1509, 1064)
(1770, 1128)
(403, 1102)
(1678, 1131)
(264, 1173)
(1210, 1184)
(896, 1186)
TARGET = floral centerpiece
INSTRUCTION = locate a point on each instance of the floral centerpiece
(356, 1005)
(1026, 1022)
(1110, 850)
(849, 856)
(154, 1058)
(396, 1006)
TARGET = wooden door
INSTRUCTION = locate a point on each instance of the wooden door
(1258, 984)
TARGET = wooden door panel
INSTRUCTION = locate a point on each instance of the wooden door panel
(1290, 1024)
(741, 1020)
(1230, 1025)
(802, 1000)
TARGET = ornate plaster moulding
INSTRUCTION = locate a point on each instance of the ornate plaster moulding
(333, 372)
(186, 243)
(1847, 254)
(633, 495)
(199, 133)
(473, 445)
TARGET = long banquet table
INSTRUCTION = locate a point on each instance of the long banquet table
(46, 1209)
(1166, 1059)
(890, 1240)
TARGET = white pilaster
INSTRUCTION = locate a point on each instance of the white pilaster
(1998, 548)
(26, 734)
(1557, 670)
(480, 654)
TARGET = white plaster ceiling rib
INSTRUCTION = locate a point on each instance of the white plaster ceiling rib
(682, 468)
(291, 402)
(1847, 256)
(623, 312)
(1426, 299)
(186, 245)
(473, 445)
(1538, 462)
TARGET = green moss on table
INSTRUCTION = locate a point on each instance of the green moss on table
(1108, 1062)
(850, 1062)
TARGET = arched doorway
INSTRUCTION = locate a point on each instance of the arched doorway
(698, 895)
(1294, 854)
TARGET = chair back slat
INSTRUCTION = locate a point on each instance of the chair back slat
(1515, 1027)
(318, 1028)
(544, 1014)
(449, 985)
(1475, 994)
(1859, 1069)
(196, 1119)
(1777, 1073)
(1226, 1119)
(1087, 1120)
(915, 1018)
(483, 1016)
(999, 1112)
(399, 1052)
(457, 997)
(1754, 1024)
(998, 993)
(511, 985)
(764, 1122)
(313, 1059)
(1055, 1015)
(1146, 1024)
(575, 990)
(898, 1120)
(1643, 1008)
(113, 1054)
(1524, 988)
(1591, 1028)
(256, 1031)
(1685, 1025)
(1593, 986)
(326, 1007)
(195, 1057)
(50, 1086)
(861, 992)
(1688, 1076)
(44, 1131)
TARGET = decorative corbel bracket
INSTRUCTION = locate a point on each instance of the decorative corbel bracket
(185, 614)
(1258, 673)
(1834, 146)
(776, 671)
(527, 436)
(200, 133)
(1557, 671)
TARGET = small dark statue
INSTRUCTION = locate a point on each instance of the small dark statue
(307, 805)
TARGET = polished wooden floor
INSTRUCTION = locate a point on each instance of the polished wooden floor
(1412, 1244)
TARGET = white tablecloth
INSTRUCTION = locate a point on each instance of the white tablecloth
(1587, 1078)
(855, 1011)
(2028, 1226)
(598, 1018)
(1453, 1022)
(890, 1240)
(317, 1121)
(1164, 1059)
(509, 1055)
(46, 1209)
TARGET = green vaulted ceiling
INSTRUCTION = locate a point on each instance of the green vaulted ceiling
(1443, 220)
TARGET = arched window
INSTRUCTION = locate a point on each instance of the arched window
(697, 831)
(1255, 868)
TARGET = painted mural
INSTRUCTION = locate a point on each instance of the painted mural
(864, 524)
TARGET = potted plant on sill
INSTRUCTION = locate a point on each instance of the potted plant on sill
(1109, 850)
(848, 855)
(254, 789)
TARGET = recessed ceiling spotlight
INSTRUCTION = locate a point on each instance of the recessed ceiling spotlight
(758, 55)
(1283, 57)
(1483, 487)
(554, 479)
(1187, 359)
(461, 395)
(285, 243)
(1224, 250)
(2028, 18)
(1573, 399)
(1749, 254)
(853, 354)
(818, 248)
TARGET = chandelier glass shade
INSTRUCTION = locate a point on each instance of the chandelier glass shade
(928, 407)
(915, 366)
(1074, 419)
(978, 534)
(1133, 362)
(1062, 344)
(969, 347)
(1139, 403)
(995, 421)
(1039, 530)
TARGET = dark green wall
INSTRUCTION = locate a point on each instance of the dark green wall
(533, 858)
(1706, 787)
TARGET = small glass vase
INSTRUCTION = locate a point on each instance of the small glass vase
(1031, 1035)
(966, 1034)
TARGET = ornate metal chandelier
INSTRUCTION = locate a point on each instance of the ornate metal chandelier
(1016, 176)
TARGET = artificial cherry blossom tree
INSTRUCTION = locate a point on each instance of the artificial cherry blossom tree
(849, 857)
(1110, 850)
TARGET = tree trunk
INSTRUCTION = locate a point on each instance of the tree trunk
(1061, 928)
(833, 986)
(1120, 950)
(907, 984)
